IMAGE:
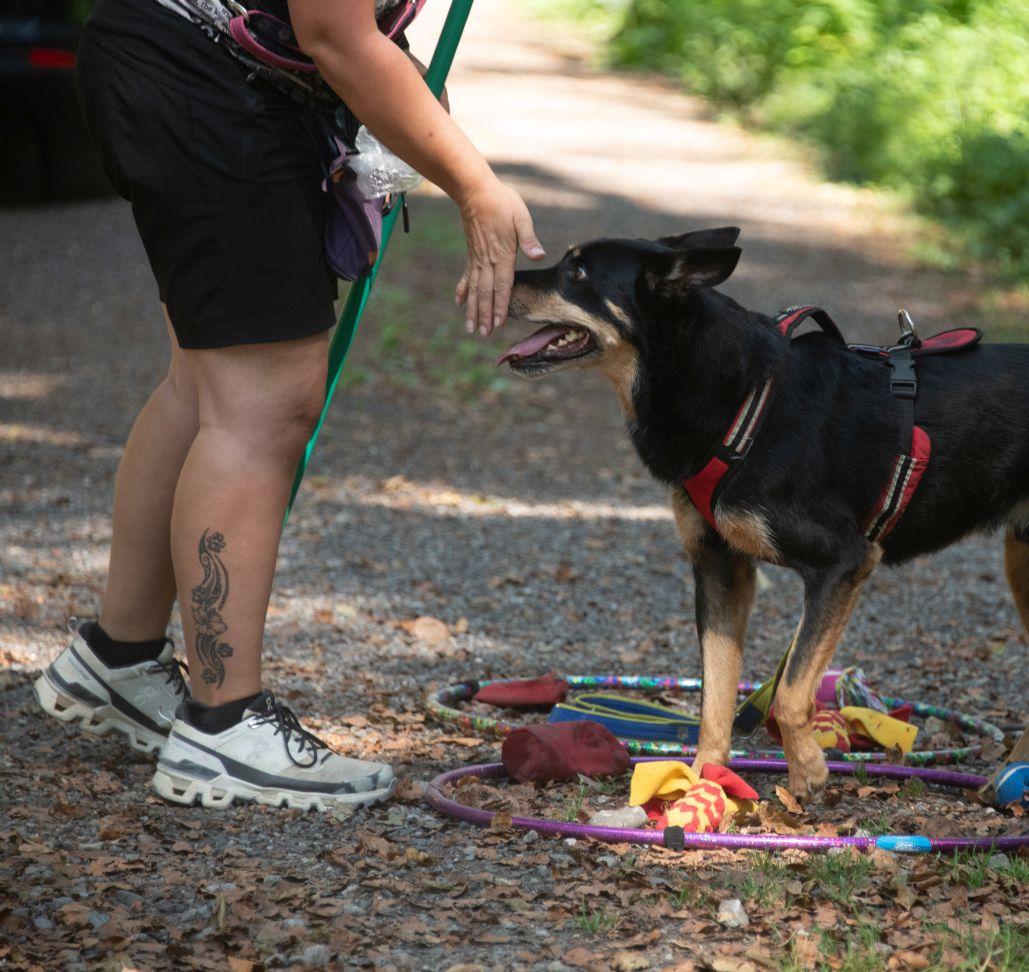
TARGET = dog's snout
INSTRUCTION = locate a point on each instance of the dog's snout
(529, 285)
(518, 305)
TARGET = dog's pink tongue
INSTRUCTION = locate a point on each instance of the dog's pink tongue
(533, 343)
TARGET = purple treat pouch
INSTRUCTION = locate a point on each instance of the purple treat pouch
(353, 225)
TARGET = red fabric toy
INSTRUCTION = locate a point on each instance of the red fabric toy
(524, 693)
(562, 750)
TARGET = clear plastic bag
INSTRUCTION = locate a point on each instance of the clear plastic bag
(379, 172)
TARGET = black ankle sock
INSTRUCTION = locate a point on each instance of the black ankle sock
(213, 719)
(117, 654)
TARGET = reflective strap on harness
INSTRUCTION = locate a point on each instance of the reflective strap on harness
(907, 474)
(703, 487)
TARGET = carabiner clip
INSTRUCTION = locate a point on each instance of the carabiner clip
(908, 332)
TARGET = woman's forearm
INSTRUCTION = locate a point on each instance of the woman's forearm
(384, 89)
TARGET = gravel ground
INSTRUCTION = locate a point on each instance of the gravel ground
(522, 520)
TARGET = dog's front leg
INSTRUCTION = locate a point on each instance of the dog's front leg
(725, 595)
(724, 582)
(829, 599)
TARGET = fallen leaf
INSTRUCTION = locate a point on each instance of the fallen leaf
(417, 856)
(909, 961)
(579, 958)
(431, 631)
(625, 961)
(356, 720)
(731, 963)
(377, 845)
(500, 822)
(461, 741)
(788, 800)
(903, 895)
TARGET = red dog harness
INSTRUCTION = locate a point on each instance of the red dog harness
(705, 487)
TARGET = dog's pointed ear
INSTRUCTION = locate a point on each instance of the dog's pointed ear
(701, 239)
(690, 269)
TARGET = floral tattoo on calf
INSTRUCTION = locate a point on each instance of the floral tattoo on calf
(208, 598)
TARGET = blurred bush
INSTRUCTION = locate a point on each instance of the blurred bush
(927, 96)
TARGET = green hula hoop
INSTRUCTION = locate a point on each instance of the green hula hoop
(440, 705)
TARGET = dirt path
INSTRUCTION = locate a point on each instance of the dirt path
(520, 519)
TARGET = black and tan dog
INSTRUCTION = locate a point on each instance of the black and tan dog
(822, 457)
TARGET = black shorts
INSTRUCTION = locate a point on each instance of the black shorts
(223, 174)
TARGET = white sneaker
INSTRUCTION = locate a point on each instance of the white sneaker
(267, 757)
(138, 701)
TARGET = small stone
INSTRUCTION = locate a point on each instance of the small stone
(570, 842)
(294, 923)
(316, 956)
(129, 898)
(934, 725)
(622, 818)
(42, 923)
(731, 913)
(999, 862)
(529, 836)
(98, 918)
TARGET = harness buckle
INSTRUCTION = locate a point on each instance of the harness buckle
(903, 381)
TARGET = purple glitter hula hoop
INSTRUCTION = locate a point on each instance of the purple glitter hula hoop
(675, 838)
(441, 706)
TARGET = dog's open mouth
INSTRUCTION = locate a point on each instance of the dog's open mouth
(551, 344)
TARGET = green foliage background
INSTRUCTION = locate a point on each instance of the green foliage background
(930, 97)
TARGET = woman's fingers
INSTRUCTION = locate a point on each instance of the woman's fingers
(503, 278)
(497, 224)
(484, 295)
(471, 310)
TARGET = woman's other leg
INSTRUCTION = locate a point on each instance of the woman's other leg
(257, 407)
(140, 587)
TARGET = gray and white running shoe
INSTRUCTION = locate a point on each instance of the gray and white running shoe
(138, 701)
(268, 757)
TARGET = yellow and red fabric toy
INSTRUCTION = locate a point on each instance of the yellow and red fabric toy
(674, 795)
(855, 727)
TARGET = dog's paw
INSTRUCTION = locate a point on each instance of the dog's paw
(807, 781)
(807, 792)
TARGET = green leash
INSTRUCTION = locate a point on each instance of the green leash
(753, 710)
(357, 298)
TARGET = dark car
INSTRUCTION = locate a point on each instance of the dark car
(46, 151)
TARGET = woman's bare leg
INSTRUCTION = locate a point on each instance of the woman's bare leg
(140, 587)
(257, 406)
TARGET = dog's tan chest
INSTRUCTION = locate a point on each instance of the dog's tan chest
(745, 531)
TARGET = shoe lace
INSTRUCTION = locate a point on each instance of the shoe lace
(285, 721)
(175, 673)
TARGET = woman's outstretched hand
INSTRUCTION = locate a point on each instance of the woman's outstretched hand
(496, 224)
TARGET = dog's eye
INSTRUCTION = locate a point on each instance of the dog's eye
(576, 272)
